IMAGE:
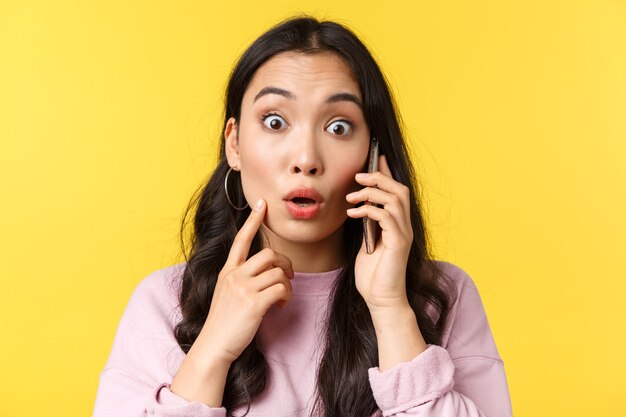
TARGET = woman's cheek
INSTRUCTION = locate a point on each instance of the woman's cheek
(347, 183)
(253, 177)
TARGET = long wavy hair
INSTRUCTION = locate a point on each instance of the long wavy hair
(351, 348)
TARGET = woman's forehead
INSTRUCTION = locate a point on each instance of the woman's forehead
(321, 73)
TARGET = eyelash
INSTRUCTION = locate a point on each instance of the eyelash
(266, 115)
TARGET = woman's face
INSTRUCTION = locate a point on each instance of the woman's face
(301, 128)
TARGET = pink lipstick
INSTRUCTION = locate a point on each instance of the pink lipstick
(303, 203)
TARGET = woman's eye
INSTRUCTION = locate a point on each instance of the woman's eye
(273, 121)
(340, 127)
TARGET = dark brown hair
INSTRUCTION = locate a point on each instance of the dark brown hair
(343, 388)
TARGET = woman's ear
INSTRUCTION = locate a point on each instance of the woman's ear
(231, 142)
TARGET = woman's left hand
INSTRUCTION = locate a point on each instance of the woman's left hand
(381, 275)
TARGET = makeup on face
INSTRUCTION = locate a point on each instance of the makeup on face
(303, 203)
(302, 139)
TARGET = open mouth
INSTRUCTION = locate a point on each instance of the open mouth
(303, 201)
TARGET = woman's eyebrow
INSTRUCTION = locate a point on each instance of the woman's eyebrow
(291, 96)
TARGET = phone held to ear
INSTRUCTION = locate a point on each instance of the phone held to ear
(371, 229)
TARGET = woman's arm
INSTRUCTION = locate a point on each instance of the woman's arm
(121, 393)
(201, 378)
(245, 290)
(412, 380)
(398, 335)
(135, 381)
(426, 387)
(464, 379)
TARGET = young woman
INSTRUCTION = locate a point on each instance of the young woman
(279, 309)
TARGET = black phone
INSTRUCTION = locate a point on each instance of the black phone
(371, 229)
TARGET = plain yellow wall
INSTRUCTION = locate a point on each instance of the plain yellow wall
(516, 112)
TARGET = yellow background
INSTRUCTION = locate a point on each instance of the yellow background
(516, 111)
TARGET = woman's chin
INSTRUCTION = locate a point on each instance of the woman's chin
(301, 232)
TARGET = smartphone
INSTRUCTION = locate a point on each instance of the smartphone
(371, 229)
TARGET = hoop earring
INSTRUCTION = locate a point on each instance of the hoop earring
(226, 191)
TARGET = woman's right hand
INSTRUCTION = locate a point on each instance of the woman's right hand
(245, 290)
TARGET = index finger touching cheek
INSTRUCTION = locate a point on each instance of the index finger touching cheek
(241, 245)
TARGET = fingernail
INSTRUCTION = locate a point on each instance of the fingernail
(352, 210)
(258, 205)
(362, 175)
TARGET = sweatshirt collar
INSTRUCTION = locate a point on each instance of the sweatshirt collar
(314, 283)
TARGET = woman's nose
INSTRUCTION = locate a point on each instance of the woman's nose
(305, 169)
(306, 157)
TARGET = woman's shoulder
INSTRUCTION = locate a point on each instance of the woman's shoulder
(163, 283)
(463, 284)
(465, 289)
(144, 344)
(454, 271)
(155, 299)
(467, 331)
